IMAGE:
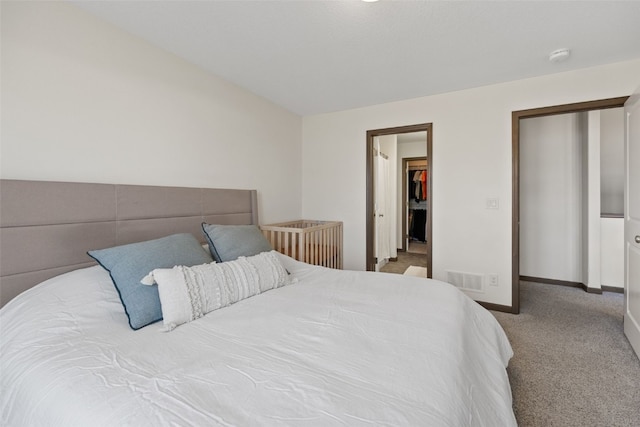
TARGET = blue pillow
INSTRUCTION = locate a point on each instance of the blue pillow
(228, 242)
(128, 264)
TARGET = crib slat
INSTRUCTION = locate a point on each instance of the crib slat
(313, 242)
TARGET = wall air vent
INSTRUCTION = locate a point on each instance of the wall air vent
(467, 281)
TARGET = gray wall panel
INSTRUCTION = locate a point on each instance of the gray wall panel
(46, 228)
(146, 229)
(216, 201)
(55, 203)
(25, 249)
(140, 202)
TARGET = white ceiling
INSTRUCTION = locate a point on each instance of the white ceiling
(403, 138)
(320, 56)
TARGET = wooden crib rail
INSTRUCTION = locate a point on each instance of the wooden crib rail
(310, 241)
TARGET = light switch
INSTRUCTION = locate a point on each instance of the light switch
(493, 203)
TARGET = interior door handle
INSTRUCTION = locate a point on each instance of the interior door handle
(637, 239)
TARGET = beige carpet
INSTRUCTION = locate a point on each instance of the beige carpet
(417, 247)
(414, 270)
(405, 260)
(573, 365)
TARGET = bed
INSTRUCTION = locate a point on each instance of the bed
(327, 347)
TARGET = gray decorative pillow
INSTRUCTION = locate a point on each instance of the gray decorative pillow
(128, 264)
(228, 242)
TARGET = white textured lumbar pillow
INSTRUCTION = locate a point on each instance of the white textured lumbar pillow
(188, 293)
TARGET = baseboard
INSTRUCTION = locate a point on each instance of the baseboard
(615, 289)
(552, 281)
(562, 283)
(496, 307)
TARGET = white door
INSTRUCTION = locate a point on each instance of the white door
(632, 223)
(381, 193)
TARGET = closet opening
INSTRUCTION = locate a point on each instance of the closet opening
(579, 215)
(414, 204)
(399, 227)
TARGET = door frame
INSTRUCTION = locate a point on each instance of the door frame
(516, 116)
(370, 230)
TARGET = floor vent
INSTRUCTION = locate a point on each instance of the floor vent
(468, 281)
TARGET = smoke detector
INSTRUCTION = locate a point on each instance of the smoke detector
(559, 55)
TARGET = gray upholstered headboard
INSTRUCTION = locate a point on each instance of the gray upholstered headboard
(46, 228)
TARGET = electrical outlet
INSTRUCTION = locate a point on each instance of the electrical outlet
(493, 203)
(493, 279)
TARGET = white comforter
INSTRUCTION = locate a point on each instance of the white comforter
(336, 348)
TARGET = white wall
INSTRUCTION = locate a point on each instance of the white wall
(612, 160)
(550, 197)
(562, 236)
(584, 205)
(85, 101)
(612, 166)
(593, 201)
(471, 162)
(612, 252)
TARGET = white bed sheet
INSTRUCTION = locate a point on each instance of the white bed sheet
(338, 348)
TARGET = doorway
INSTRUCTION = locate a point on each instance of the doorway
(516, 116)
(371, 212)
